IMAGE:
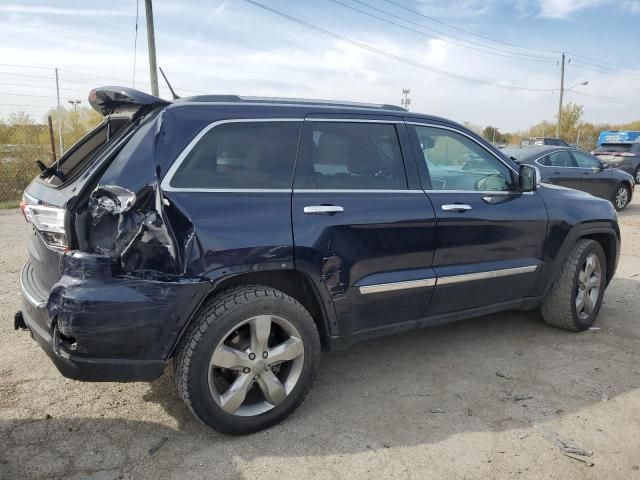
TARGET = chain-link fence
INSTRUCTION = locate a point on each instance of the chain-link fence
(20, 148)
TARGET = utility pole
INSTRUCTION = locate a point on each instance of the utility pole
(59, 114)
(406, 101)
(151, 40)
(561, 94)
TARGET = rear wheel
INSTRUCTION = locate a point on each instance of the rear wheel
(575, 297)
(249, 359)
(636, 175)
(621, 197)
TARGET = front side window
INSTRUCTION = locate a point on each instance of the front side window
(345, 155)
(241, 155)
(456, 162)
(586, 161)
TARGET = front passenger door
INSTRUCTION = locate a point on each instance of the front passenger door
(594, 179)
(489, 236)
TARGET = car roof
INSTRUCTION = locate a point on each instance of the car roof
(526, 152)
(303, 106)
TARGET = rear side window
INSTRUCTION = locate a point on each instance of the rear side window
(586, 161)
(345, 155)
(558, 159)
(241, 155)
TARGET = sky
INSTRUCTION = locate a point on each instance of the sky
(487, 62)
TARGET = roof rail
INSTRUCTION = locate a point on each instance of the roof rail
(286, 101)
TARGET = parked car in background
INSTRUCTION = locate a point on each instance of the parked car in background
(544, 141)
(573, 168)
(624, 156)
(237, 236)
(618, 136)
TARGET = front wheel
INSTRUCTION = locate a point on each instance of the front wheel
(248, 360)
(620, 197)
(574, 300)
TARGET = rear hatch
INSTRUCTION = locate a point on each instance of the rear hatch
(614, 151)
(49, 201)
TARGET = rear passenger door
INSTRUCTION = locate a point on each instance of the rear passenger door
(559, 168)
(490, 237)
(363, 229)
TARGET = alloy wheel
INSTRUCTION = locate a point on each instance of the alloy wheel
(638, 175)
(622, 197)
(588, 289)
(256, 365)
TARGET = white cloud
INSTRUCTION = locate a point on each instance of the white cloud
(563, 8)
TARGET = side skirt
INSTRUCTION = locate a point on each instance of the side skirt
(342, 342)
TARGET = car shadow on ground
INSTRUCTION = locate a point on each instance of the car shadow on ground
(507, 371)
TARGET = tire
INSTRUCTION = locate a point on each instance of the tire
(636, 175)
(239, 315)
(620, 198)
(560, 308)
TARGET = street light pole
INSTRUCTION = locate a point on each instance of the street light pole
(561, 94)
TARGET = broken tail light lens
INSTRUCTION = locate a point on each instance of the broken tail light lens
(48, 221)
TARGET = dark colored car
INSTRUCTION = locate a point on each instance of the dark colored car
(573, 168)
(624, 156)
(544, 141)
(238, 236)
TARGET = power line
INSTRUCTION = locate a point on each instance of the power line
(482, 49)
(604, 70)
(391, 55)
(533, 59)
(415, 12)
(604, 98)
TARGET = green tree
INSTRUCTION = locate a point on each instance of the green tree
(570, 121)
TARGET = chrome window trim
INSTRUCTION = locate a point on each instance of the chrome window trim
(537, 160)
(469, 277)
(390, 287)
(352, 190)
(352, 120)
(433, 125)
(483, 192)
(166, 181)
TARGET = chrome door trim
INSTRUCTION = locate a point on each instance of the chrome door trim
(469, 277)
(166, 181)
(433, 125)
(446, 280)
(390, 287)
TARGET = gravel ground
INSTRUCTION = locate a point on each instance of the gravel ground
(502, 396)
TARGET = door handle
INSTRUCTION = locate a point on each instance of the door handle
(321, 209)
(456, 207)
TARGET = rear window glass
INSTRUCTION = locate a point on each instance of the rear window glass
(613, 147)
(353, 156)
(241, 155)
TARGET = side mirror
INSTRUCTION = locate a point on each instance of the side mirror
(528, 178)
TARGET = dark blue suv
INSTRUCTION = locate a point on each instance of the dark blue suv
(240, 236)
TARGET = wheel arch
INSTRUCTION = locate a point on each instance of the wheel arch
(607, 235)
(291, 282)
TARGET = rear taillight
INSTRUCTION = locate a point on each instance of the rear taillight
(48, 221)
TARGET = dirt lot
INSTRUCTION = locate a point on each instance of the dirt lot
(495, 397)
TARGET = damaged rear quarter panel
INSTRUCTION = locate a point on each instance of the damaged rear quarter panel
(152, 256)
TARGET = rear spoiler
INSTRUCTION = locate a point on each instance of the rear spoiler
(107, 100)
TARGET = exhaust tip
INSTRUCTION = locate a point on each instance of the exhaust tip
(18, 322)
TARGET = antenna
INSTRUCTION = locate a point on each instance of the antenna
(175, 97)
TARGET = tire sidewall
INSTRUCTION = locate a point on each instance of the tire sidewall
(204, 406)
(583, 324)
(615, 195)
